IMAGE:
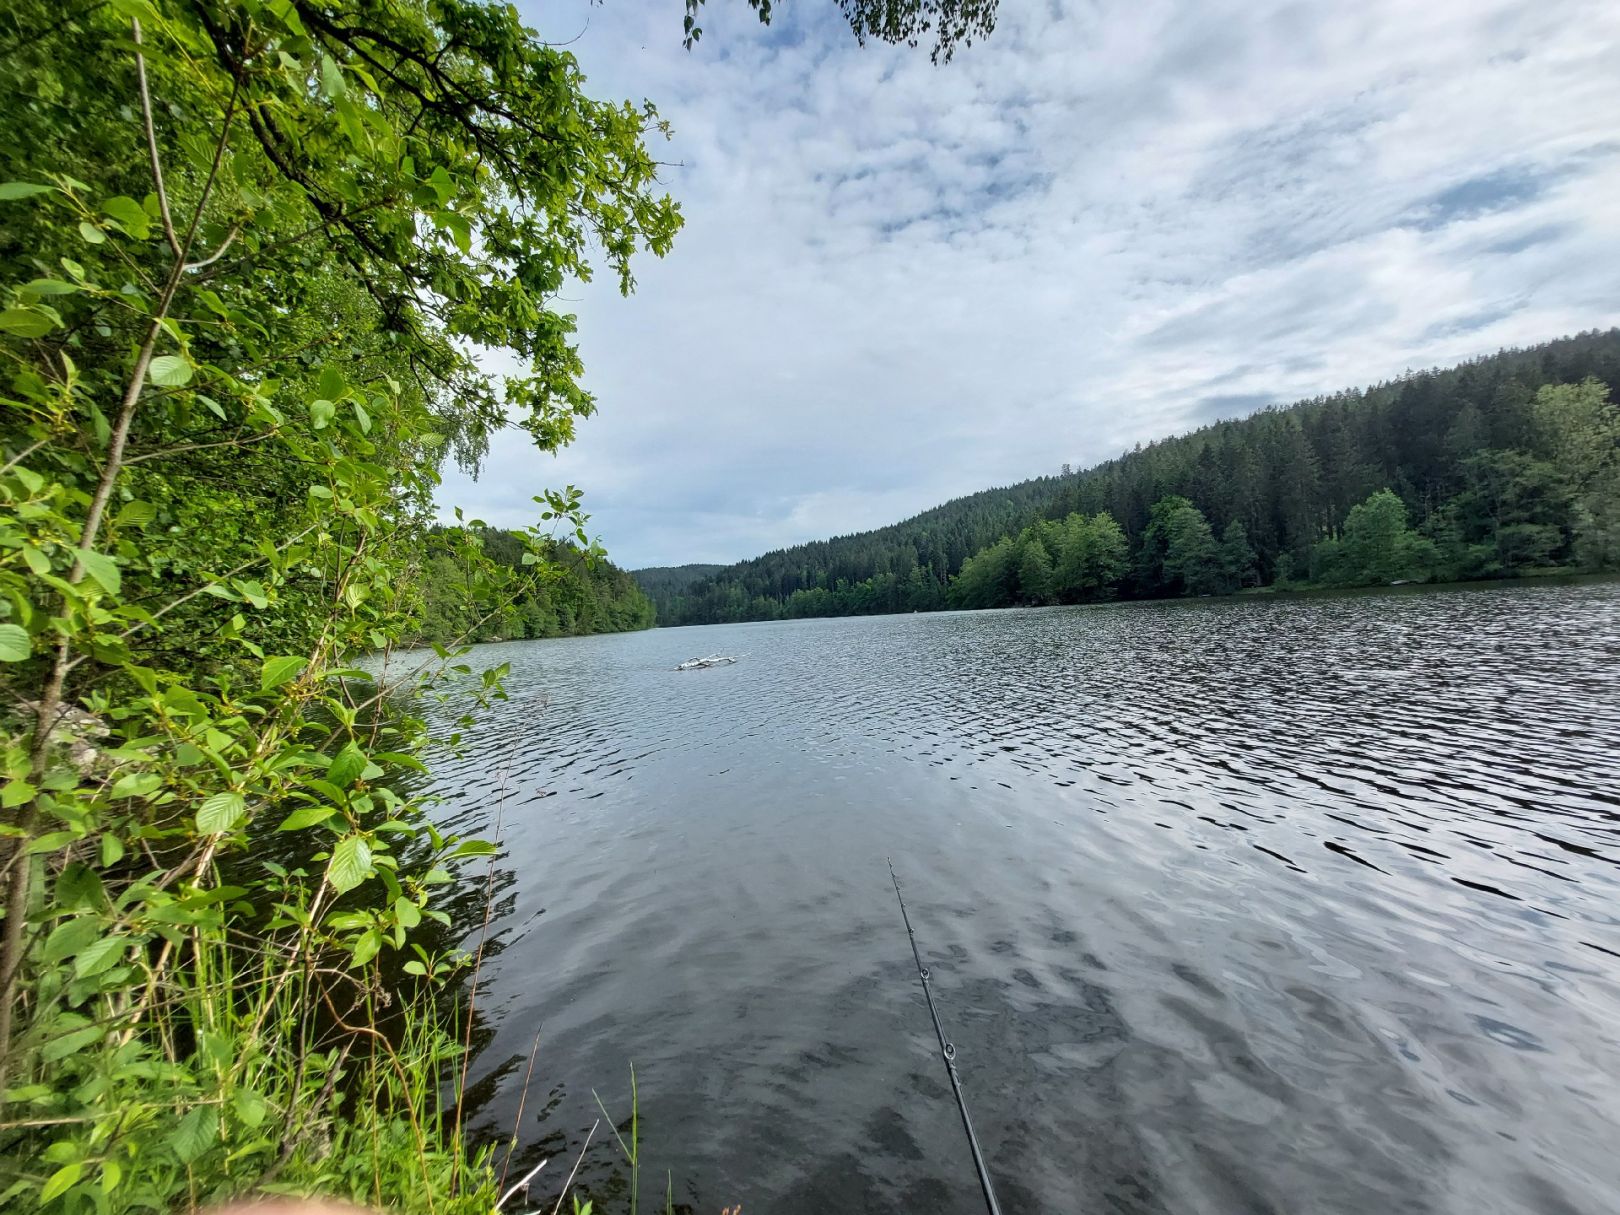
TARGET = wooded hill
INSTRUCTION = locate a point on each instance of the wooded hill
(669, 579)
(1497, 485)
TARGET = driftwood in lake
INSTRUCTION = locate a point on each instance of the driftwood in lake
(697, 664)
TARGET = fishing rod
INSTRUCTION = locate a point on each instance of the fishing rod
(948, 1053)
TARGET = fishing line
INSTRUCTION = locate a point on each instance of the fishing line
(948, 1053)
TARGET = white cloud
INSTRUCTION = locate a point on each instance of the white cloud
(900, 283)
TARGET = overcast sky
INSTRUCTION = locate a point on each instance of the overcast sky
(1113, 221)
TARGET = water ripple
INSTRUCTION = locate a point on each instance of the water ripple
(1240, 905)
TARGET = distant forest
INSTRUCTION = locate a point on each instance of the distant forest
(1504, 466)
(564, 593)
(672, 579)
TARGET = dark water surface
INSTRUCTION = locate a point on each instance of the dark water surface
(1294, 905)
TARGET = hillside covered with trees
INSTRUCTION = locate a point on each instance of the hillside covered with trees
(1503, 466)
(892, 569)
(668, 579)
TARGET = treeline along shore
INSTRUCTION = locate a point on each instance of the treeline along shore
(1505, 466)
(574, 591)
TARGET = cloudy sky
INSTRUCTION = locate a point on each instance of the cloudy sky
(1115, 220)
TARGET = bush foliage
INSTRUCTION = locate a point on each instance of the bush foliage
(249, 254)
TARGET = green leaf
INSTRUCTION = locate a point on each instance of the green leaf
(14, 643)
(331, 385)
(72, 1043)
(354, 127)
(278, 670)
(10, 191)
(50, 842)
(332, 84)
(130, 216)
(92, 234)
(253, 593)
(136, 784)
(36, 560)
(474, 848)
(321, 413)
(367, 946)
(26, 322)
(346, 765)
(458, 226)
(307, 817)
(350, 864)
(79, 888)
(99, 955)
(169, 370)
(136, 514)
(196, 1133)
(50, 286)
(70, 936)
(407, 912)
(250, 1107)
(102, 568)
(63, 1180)
(221, 812)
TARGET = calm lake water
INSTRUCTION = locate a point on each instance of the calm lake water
(1285, 904)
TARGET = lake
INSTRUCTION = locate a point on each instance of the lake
(1293, 904)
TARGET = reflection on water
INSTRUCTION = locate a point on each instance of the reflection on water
(1236, 905)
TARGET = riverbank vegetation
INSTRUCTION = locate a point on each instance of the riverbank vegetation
(541, 588)
(1506, 466)
(249, 254)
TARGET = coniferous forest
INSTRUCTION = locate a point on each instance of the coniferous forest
(1504, 466)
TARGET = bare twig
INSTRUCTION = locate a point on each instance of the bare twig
(152, 146)
(523, 1097)
(165, 452)
(377, 1036)
(575, 1169)
(522, 1185)
(230, 239)
(22, 455)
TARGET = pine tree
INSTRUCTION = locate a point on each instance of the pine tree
(1237, 558)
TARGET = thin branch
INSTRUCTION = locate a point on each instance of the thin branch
(230, 239)
(393, 1059)
(22, 455)
(575, 38)
(165, 452)
(522, 1185)
(152, 146)
(213, 172)
(523, 1097)
(314, 229)
(575, 1169)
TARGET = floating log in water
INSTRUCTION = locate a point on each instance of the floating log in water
(713, 660)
